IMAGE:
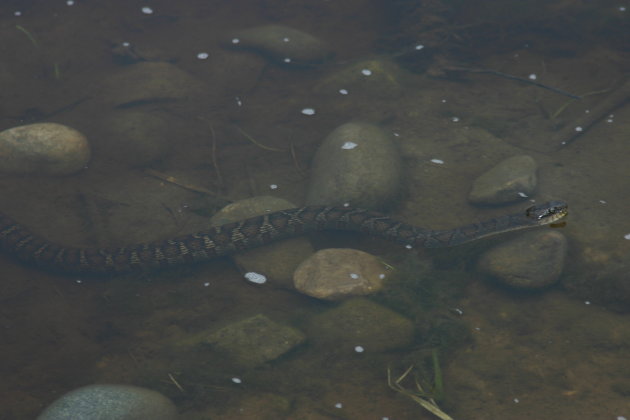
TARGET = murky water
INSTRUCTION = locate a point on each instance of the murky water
(453, 80)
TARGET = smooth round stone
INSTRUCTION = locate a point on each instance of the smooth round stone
(366, 79)
(149, 82)
(255, 340)
(513, 179)
(283, 44)
(134, 137)
(43, 149)
(358, 164)
(337, 273)
(531, 261)
(277, 260)
(111, 402)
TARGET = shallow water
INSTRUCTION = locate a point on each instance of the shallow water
(560, 353)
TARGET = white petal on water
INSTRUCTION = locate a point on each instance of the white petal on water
(256, 278)
(308, 111)
(147, 10)
(349, 145)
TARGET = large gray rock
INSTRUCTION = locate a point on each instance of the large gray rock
(43, 149)
(111, 402)
(337, 273)
(531, 261)
(359, 164)
(280, 43)
(513, 179)
(255, 340)
(278, 260)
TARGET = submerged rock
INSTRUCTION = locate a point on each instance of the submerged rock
(361, 322)
(146, 82)
(255, 340)
(367, 79)
(280, 43)
(513, 179)
(338, 273)
(359, 164)
(134, 137)
(111, 402)
(43, 149)
(531, 261)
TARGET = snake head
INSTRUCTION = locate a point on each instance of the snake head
(549, 212)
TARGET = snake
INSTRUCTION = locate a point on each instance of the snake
(36, 251)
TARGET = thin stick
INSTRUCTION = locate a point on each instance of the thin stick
(213, 155)
(570, 132)
(567, 103)
(130, 353)
(262, 146)
(299, 169)
(215, 163)
(174, 181)
(511, 77)
(28, 35)
(176, 383)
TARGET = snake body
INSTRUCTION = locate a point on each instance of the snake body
(246, 234)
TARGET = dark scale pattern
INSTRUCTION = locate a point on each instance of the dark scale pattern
(31, 249)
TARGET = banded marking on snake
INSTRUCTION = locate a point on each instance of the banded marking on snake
(34, 250)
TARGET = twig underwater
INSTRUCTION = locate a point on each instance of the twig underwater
(172, 180)
(455, 69)
(575, 129)
(262, 146)
(28, 35)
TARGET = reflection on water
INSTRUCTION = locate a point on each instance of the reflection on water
(186, 109)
